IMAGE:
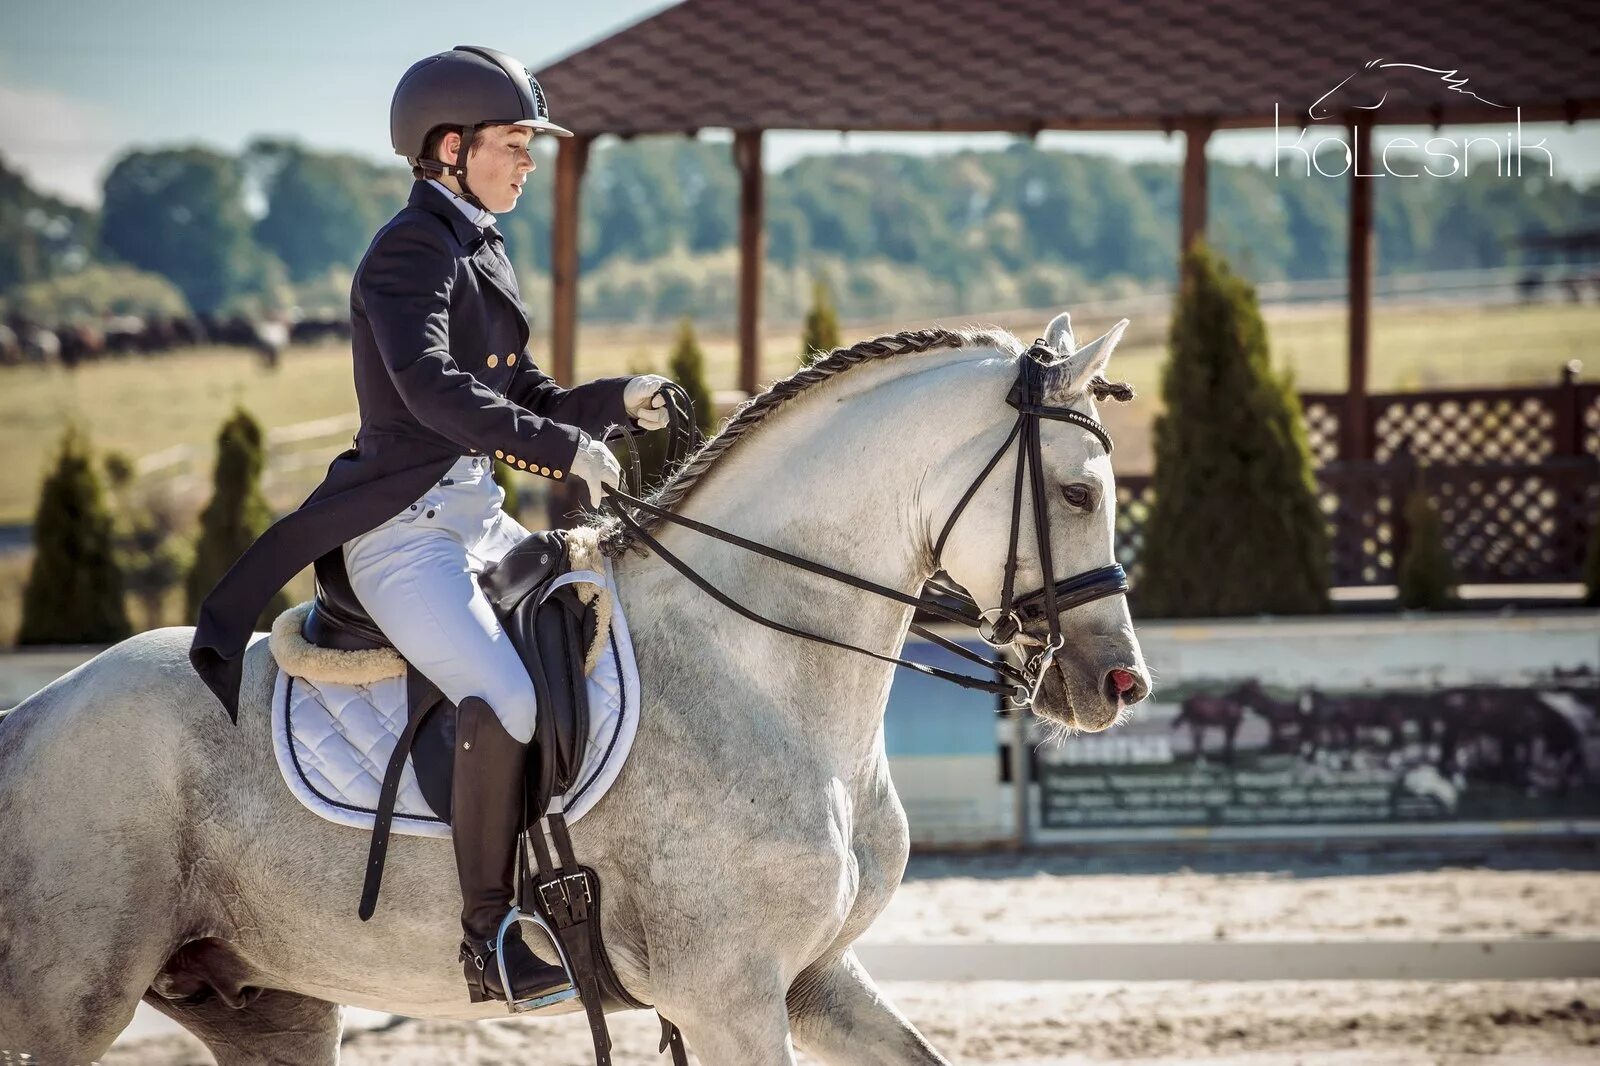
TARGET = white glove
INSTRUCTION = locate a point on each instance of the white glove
(644, 401)
(595, 464)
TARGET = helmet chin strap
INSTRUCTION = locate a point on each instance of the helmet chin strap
(458, 169)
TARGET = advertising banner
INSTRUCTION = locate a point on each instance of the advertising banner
(1438, 724)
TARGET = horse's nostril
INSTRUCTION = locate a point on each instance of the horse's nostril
(1122, 687)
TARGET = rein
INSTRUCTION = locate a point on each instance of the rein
(1022, 684)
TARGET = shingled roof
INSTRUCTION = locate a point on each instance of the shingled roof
(1025, 65)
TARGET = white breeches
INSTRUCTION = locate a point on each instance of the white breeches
(417, 576)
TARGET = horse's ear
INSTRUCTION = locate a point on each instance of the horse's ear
(1058, 334)
(1072, 375)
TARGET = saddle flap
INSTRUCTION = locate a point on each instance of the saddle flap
(548, 632)
(527, 568)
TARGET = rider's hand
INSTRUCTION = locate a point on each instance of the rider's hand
(644, 401)
(595, 464)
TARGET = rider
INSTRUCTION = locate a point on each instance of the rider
(443, 381)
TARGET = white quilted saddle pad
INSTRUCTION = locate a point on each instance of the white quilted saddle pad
(333, 740)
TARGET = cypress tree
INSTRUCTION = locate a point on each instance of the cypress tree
(75, 589)
(1426, 575)
(1235, 527)
(236, 514)
(151, 551)
(821, 333)
(687, 366)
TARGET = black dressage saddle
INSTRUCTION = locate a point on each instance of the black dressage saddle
(552, 634)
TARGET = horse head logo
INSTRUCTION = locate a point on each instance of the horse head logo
(1367, 88)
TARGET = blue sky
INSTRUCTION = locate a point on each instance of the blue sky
(83, 80)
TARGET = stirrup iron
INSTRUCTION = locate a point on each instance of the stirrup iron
(544, 999)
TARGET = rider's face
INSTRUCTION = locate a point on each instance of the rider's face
(498, 165)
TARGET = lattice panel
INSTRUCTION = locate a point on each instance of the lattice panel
(1500, 524)
(1591, 422)
(1322, 418)
(1361, 531)
(1500, 427)
(1134, 495)
(1526, 525)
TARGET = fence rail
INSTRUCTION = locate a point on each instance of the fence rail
(1513, 472)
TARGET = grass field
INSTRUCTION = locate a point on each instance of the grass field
(143, 405)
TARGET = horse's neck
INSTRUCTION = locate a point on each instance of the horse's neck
(841, 479)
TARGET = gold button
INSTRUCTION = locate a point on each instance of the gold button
(545, 470)
(523, 463)
(494, 361)
(511, 360)
(511, 458)
(555, 473)
(498, 454)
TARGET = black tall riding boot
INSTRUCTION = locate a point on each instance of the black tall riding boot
(486, 817)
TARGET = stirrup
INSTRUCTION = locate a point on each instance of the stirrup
(544, 999)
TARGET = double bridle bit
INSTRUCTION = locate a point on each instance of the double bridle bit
(1001, 626)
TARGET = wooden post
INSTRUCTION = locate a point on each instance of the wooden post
(1569, 412)
(571, 156)
(1193, 224)
(752, 251)
(1355, 441)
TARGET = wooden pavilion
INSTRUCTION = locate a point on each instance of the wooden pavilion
(1186, 66)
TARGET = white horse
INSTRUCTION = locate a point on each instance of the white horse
(149, 848)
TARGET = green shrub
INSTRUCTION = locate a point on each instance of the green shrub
(687, 366)
(148, 539)
(99, 290)
(821, 332)
(1426, 575)
(1235, 527)
(74, 590)
(236, 514)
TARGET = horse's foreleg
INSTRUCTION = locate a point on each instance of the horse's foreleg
(728, 1016)
(839, 1015)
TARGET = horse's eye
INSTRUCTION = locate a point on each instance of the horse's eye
(1077, 496)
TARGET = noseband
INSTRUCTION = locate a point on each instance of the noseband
(1001, 626)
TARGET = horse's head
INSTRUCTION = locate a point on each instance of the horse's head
(1099, 671)
(1364, 89)
(1369, 86)
(1249, 689)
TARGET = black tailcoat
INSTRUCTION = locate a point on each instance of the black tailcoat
(440, 338)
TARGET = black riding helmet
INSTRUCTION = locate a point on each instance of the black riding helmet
(465, 89)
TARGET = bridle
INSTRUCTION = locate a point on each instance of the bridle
(1002, 626)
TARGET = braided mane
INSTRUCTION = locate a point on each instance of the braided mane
(615, 538)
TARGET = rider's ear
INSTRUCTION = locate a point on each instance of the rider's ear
(1071, 376)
